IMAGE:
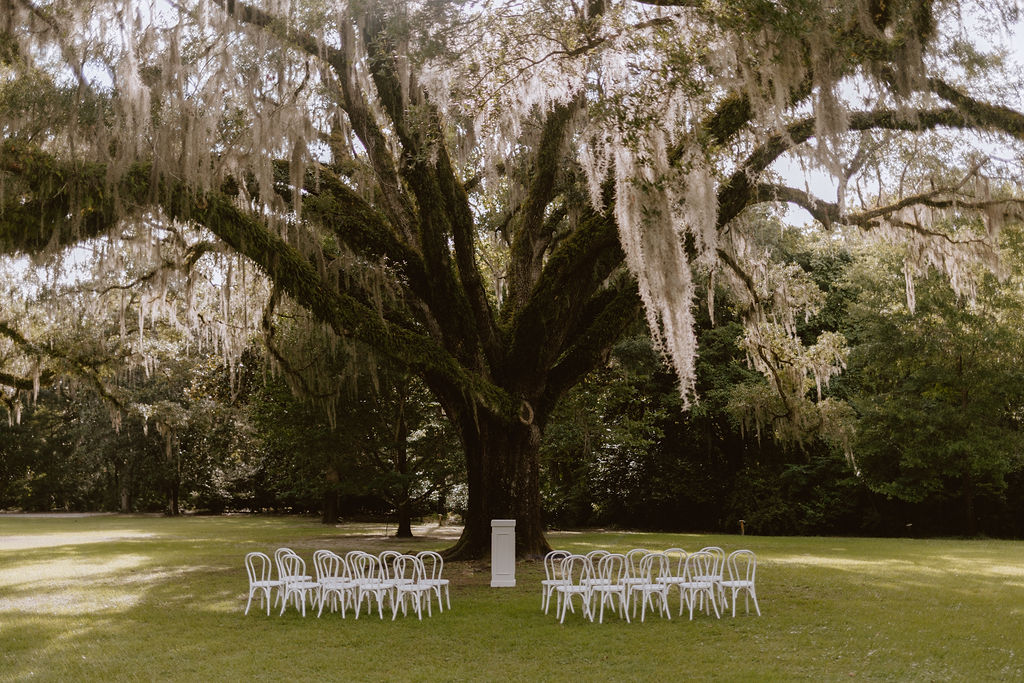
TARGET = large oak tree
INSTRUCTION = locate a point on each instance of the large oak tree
(489, 193)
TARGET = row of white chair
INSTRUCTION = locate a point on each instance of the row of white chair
(349, 580)
(702, 579)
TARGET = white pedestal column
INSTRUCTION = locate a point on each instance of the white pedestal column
(503, 553)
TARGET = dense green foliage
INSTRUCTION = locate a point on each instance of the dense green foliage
(936, 399)
(258, 448)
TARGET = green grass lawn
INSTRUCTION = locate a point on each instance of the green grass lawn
(150, 598)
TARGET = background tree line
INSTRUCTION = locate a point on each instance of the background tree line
(934, 403)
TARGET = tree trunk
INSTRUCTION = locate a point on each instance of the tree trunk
(172, 451)
(173, 508)
(442, 504)
(404, 512)
(401, 445)
(125, 498)
(330, 510)
(502, 467)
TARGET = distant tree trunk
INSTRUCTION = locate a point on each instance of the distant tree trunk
(173, 509)
(442, 503)
(172, 452)
(404, 509)
(404, 512)
(972, 522)
(124, 493)
(330, 509)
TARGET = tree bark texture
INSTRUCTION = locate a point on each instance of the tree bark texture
(330, 506)
(503, 471)
(404, 514)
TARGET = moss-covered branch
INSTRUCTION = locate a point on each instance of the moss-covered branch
(51, 204)
(739, 191)
(247, 235)
(830, 213)
(16, 381)
(618, 309)
(572, 274)
(529, 242)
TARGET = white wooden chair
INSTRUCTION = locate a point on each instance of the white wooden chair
(742, 570)
(409, 574)
(552, 577)
(717, 569)
(653, 566)
(334, 581)
(370, 583)
(260, 571)
(699, 583)
(677, 564)
(433, 565)
(575, 572)
(594, 558)
(611, 570)
(633, 558)
(297, 584)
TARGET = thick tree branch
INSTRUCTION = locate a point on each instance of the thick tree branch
(591, 347)
(289, 270)
(17, 381)
(527, 253)
(300, 280)
(363, 229)
(573, 272)
(457, 298)
(992, 117)
(739, 190)
(829, 213)
(66, 203)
